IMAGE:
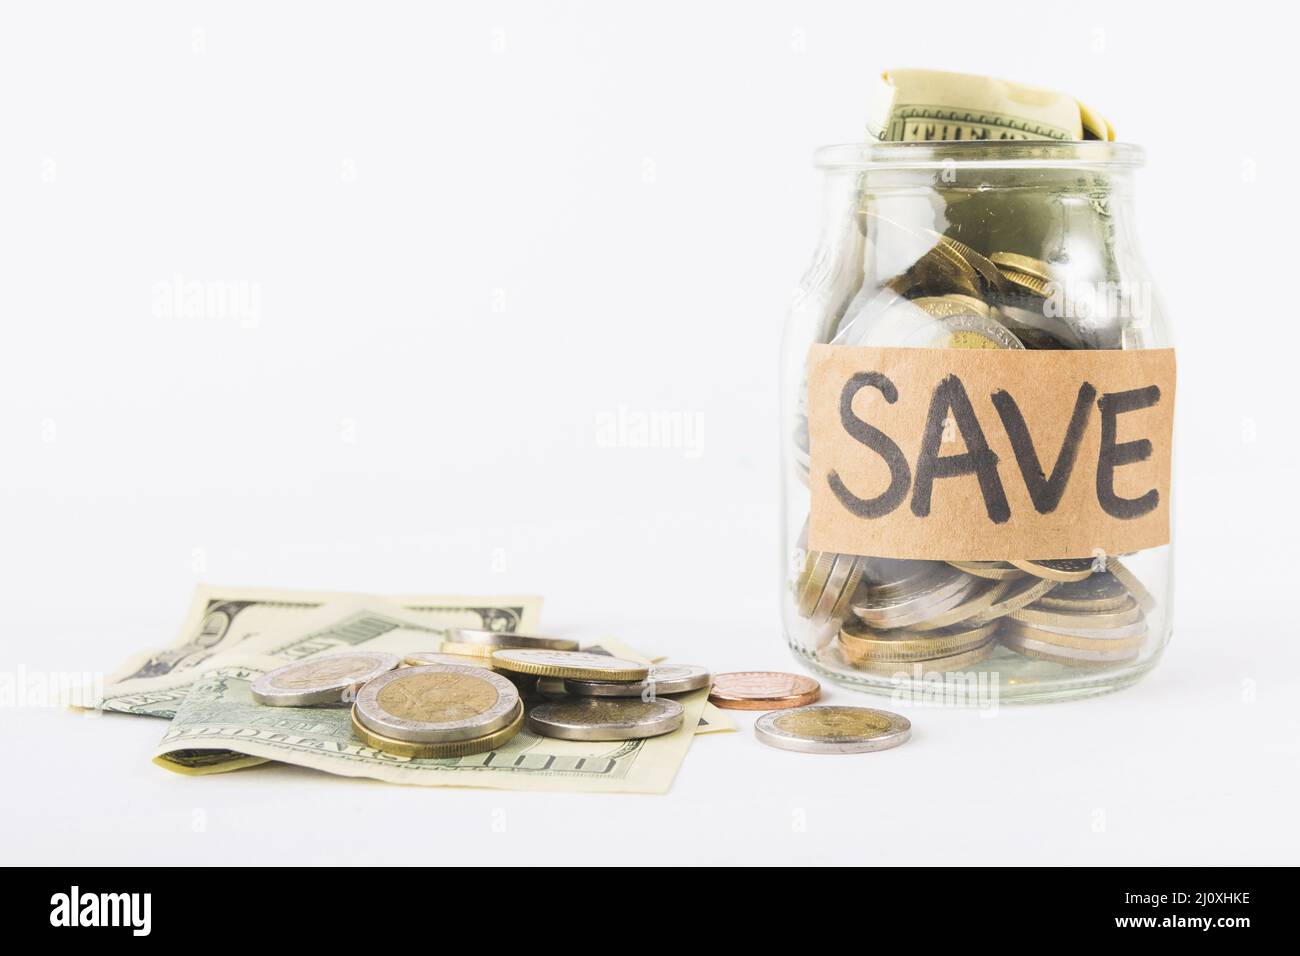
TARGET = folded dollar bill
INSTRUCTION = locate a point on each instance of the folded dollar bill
(930, 105)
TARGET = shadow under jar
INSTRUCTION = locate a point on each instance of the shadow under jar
(1024, 247)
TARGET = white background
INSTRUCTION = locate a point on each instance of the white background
(476, 228)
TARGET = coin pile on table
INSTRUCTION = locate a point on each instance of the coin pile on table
(478, 689)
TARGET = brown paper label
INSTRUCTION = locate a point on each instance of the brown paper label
(989, 455)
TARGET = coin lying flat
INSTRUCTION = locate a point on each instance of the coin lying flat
(929, 665)
(425, 658)
(327, 679)
(1101, 591)
(498, 639)
(597, 718)
(663, 679)
(762, 690)
(441, 703)
(833, 730)
(910, 644)
(1043, 650)
(1111, 641)
(575, 664)
(1121, 616)
(937, 593)
(439, 751)
(476, 652)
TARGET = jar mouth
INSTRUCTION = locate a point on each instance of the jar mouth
(982, 154)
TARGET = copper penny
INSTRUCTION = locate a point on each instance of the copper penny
(763, 690)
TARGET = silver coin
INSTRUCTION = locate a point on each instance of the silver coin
(940, 591)
(440, 703)
(597, 718)
(465, 635)
(823, 729)
(325, 679)
(1062, 654)
(550, 686)
(834, 589)
(663, 679)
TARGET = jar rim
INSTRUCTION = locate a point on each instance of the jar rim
(982, 154)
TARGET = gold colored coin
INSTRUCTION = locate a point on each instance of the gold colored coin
(909, 644)
(1100, 620)
(1145, 599)
(1013, 596)
(438, 751)
(1032, 283)
(426, 658)
(1058, 569)
(990, 570)
(481, 652)
(1112, 645)
(575, 664)
(930, 665)
(819, 564)
(1025, 265)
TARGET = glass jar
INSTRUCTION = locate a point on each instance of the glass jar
(1024, 247)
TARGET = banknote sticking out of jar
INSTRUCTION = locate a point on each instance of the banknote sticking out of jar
(977, 398)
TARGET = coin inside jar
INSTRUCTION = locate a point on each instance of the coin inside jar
(440, 703)
(663, 679)
(763, 690)
(833, 730)
(575, 664)
(327, 679)
(601, 719)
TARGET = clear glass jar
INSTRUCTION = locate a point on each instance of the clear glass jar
(987, 224)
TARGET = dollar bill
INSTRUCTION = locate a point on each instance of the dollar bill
(927, 105)
(221, 620)
(219, 728)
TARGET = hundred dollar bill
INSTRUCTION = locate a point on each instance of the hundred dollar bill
(222, 619)
(928, 105)
(218, 728)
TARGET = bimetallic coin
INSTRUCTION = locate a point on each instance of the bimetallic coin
(1069, 620)
(1013, 596)
(438, 751)
(575, 664)
(930, 665)
(1111, 642)
(1145, 599)
(978, 599)
(1075, 657)
(1025, 265)
(991, 570)
(427, 658)
(440, 703)
(963, 330)
(939, 592)
(663, 679)
(833, 730)
(327, 679)
(833, 592)
(762, 690)
(596, 718)
(499, 639)
(1101, 591)
(908, 644)
(476, 652)
(1059, 569)
(811, 584)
